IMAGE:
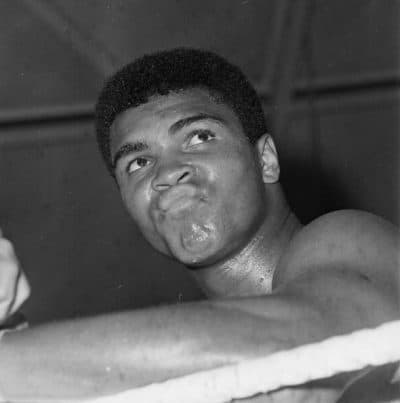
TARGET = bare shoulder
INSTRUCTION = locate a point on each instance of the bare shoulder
(348, 240)
(359, 227)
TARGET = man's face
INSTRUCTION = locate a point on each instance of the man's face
(188, 177)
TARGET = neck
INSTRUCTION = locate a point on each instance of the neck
(250, 271)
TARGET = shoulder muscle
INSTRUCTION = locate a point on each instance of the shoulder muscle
(346, 239)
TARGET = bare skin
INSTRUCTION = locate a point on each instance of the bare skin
(14, 287)
(187, 176)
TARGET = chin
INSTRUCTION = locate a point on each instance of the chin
(194, 253)
(192, 239)
(195, 257)
(196, 262)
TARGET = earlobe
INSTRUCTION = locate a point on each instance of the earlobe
(268, 158)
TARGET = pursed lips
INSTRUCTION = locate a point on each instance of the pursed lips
(177, 199)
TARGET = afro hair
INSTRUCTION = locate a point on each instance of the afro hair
(170, 71)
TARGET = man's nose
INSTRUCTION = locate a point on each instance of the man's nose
(171, 175)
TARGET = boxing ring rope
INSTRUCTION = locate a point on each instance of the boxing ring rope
(355, 351)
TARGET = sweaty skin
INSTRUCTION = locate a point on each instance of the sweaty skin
(199, 192)
(188, 174)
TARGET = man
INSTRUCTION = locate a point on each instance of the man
(184, 135)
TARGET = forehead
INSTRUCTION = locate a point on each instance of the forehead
(162, 111)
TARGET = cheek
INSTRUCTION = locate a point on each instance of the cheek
(238, 172)
(136, 201)
(240, 189)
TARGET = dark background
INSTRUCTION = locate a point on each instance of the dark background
(326, 70)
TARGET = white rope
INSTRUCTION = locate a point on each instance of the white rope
(287, 368)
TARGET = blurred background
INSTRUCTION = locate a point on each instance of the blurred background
(327, 72)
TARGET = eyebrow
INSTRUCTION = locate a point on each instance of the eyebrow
(138, 146)
(181, 123)
(129, 148)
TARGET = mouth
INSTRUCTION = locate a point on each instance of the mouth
(180, 207)
(185, 220)
(178, 201)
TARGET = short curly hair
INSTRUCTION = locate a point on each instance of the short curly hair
(170, 71)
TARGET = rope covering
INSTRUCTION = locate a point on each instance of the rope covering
(367, 347)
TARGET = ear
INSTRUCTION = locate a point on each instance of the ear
(268, 158)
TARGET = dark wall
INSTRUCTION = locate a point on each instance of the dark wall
(79, 248)
(343, 153)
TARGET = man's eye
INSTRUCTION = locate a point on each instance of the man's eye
(200, 136)
(136, 164)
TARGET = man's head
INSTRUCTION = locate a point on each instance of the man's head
(177, 129)
(174, 70)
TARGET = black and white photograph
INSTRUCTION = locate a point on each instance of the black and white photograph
(199, 201)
